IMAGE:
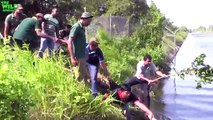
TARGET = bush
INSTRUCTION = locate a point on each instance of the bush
(122, 55)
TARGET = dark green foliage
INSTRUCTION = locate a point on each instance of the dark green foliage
(151, 31)
(122, 55)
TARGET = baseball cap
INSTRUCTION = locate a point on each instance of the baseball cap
(94, 40)
(19, 7)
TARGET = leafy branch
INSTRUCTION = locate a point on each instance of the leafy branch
(202, 71)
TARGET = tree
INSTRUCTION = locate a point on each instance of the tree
(151, 32)
(200, 29)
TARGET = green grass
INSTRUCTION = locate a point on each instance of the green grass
(40, 89)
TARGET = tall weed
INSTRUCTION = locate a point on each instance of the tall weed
(33, 88)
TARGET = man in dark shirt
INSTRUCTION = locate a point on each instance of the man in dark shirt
(123, 96)
(28, 31)
(64, 33)
(94, 57)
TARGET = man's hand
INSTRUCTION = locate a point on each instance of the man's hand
(54, 39)
(74, 61)
(165, 76)
(108, 80)
(105, 96)
(151, 116)
(149, 81)
(61, 41)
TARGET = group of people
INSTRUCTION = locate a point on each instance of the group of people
(86, 57)
(43, 29)
(89, 58)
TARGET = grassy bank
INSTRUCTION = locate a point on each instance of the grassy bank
(33, 88)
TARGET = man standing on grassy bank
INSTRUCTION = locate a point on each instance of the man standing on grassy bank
(95, 57)
(76, 46)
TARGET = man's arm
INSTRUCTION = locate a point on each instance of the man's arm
(70, 49)
(105, 70)
(40, 34)
(6, 26)
(144, 78)
(57, 32)
(1, 37)
(105, 96)
(70, 46)
(145, 109)
(159, 73)
(102, 63)
(6, 29)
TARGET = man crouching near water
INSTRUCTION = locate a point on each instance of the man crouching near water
(123, 96)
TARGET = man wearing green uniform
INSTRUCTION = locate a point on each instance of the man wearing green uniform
(77, 45)
(29, 30)
(12, 21)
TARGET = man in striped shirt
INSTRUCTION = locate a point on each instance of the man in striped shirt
(50, 27)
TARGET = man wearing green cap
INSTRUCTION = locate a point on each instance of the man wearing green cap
(76, 46)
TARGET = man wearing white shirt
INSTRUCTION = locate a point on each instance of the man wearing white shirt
(146, 71)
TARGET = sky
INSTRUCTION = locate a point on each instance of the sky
(189, 13)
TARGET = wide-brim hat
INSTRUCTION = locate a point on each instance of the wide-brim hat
(86, 15)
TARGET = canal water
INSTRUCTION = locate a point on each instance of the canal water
(179, 99)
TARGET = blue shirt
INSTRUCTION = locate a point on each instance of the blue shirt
(94, 57)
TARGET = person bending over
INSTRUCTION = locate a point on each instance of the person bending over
(123, 96)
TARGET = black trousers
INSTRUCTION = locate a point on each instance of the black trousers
(144, 87)
(31, 44)
(128, 112)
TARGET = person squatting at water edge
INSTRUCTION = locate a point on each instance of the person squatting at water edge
(146, 71)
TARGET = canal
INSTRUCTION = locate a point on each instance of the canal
(179, 99)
